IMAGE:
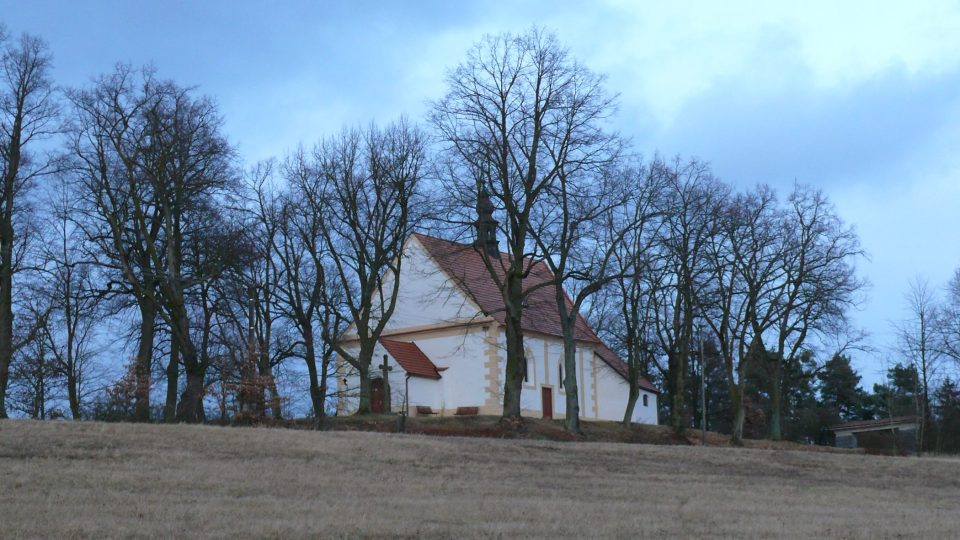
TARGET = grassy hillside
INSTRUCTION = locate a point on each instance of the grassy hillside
(90, 480)
(547, 430)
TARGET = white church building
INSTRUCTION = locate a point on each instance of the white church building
(445, 346)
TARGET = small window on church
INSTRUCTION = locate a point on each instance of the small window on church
(526, 369)
(560, 372)
(646, 403)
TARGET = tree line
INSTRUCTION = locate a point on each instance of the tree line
(128, 222)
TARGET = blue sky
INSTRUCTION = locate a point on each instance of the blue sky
(861, 99)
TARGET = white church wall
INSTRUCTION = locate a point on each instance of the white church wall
(427, 297)
(461, 350)
(586, 383)
(425, 392)
(464, 383)
(544, 360)
(530, 402)
(462, 353)
(646, 414)
(613, 393)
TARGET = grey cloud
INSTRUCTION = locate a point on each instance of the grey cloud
(813, 135)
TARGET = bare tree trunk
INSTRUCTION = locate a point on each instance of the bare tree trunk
(572, 418)
(776, 400)
(364, 371)
(73, 396)
(6, 276)
(222, 397)
(516, 365)
(28, 111)
(364, 360)
(324, 383)
(632, 397)
(191, 401)
(266, 375)
(148, 316)
(925, 413)
(250, 396)
(190, 408)
(739, 414)
(71, 371)
(317, 393)
(737, 388)
(173, 383)
(633, 393)
(924, 394)
(6, 323)
(678, 368)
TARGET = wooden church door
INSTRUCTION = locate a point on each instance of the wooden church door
(376, 395)
(547, 402)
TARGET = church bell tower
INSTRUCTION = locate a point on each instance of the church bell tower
(486, 225)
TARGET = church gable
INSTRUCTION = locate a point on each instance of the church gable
(466, 269)
(427, 298)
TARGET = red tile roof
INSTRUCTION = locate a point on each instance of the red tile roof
(411, 358)
(464, 265)
(466, 268)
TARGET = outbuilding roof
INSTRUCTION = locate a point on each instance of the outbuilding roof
(411, 358)
(858, 425)
(464, 265)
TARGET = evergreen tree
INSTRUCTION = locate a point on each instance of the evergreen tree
(899, 396)
(946, 410)
(839, 387)
(800, 406)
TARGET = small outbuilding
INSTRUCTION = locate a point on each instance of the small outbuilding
(897, 435)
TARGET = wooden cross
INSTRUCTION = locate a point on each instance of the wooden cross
(386, 368)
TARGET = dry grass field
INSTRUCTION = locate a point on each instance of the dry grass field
(91, 480)
(546, 430)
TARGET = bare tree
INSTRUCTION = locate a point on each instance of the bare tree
(918, 342)
(587, 236)
(35, 384)
(949, 323)
(73, 312)
(518, 113)
(28, 114)
(216, 251)
(105, 135)
(267, 347)
(149, 156)
(304, 284)
(363, 188)
(689, 209)
(740, 304)
(625, 300)
(818, 284)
